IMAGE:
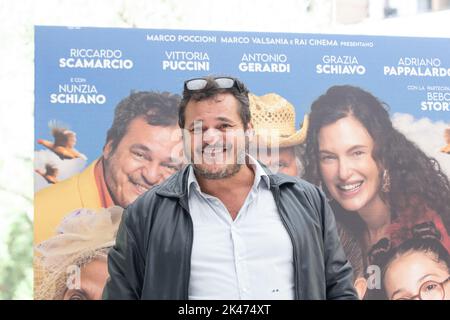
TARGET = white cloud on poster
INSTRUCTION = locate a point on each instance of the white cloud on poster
(428, 136)
(66, 168)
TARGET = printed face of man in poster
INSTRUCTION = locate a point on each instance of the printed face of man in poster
(143, 158)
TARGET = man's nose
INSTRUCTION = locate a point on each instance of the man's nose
(152, 173)
(212, 136)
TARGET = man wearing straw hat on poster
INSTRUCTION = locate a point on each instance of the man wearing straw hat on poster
(273, 119)
(225, 227)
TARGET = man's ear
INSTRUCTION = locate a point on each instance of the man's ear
(361, 287)
(107, 149)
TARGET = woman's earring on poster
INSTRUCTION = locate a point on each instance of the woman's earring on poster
(386, 182)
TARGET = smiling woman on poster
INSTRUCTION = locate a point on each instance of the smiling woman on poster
(378, 180)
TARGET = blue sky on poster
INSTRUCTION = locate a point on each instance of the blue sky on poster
(404, 94)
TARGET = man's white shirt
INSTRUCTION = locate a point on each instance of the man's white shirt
(248, 258)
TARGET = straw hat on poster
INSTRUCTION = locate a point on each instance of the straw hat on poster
(273, 119)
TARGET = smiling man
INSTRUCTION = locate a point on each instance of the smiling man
(140, 152)
(225, 227)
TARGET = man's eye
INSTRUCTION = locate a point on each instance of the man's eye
(138, 154)
(224, 126)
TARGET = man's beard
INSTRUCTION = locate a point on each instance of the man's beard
(227, 172)
(198, 156)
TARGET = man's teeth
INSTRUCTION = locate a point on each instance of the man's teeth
(350, 187)
(214, 151)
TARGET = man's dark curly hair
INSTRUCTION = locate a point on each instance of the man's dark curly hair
(413, 175)
(211, 89)
(158, 109)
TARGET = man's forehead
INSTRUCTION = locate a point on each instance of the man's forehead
(223, 110)
(221, 118)
(140, 132)
(224, 99)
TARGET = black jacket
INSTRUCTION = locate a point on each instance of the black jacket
(152, 255)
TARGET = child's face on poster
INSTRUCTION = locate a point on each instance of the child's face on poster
(415, 274)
